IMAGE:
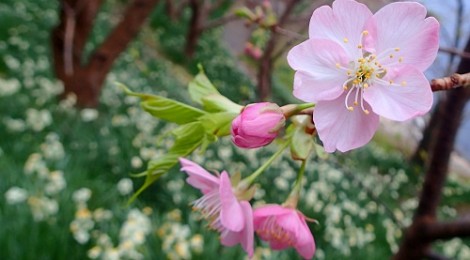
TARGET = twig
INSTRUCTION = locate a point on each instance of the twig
(449, 230)
(454, 81)
(462, 54)
(69, 32)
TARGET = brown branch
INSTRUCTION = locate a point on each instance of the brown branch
(448, 83)
(133, 18)
(219, 21)
(266, 61)
(417, 241)
(449, 230)
(462, 54)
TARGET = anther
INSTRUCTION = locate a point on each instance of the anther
(345, 87)
(403, 83)
(366, 85)
(366, 111)
(400, 59)
(345, 40)
(397, 49)
(351, 108)
(391, 56)
(365, 32)
(359, 46)
(338, 66)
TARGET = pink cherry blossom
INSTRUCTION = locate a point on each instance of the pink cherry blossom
(284, 227)
(357, 66)
(257, 125)
(220, 207)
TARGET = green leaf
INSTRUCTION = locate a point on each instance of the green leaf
(218, 124)
(201, 87)
(171, 110)
(302, 144)
(188, 137)
(165, 108)
(217, 103)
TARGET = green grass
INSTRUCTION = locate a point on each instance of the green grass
(98, 153)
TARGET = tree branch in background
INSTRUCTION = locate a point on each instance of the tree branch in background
(266, 61)
(417, 240)
(461, 54)
(454, 81)
(77, 17)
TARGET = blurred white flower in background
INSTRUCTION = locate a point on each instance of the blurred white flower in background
(9, 87)
(14, 125)
(89, 114)
(81, 196)
(42, 207)
(16, 195)
(56, 183)
(125, 186)
(52, 148)
(37, 120)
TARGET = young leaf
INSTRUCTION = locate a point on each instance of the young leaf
(188, 137)
(165, 108)
(201, 86)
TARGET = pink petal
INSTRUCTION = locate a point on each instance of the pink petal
(403, 25)
(270, 210)
(277, 245)
(339, 128)
(305, 244)
(246, 236)
(231, 214)
(198, 177)
(401, 102)
(317, 77)
(345, 20)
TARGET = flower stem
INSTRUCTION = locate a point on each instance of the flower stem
(294, 109)
(294, 195)
(250, 179)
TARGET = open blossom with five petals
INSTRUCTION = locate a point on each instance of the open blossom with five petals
(220, 207)
(357, 66)
(284, 227)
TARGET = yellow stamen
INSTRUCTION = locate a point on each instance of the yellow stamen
(345, 40)
(366, 85)
(351, 108)
(403, 83)
(366, 111)
(365, 32)
(391, 56)
(359, 46)
(345, 87)
(400, 59)
(397, 49)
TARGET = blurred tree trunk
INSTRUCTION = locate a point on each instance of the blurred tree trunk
(419, 236)
(85, 78)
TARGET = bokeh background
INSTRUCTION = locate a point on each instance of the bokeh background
(65, 171)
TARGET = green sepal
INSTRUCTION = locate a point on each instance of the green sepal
(218, 124)
(302, 144)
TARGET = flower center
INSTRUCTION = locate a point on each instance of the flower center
(364, 72)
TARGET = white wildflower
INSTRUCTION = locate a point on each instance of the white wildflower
(16, 195)
(89, 114)
(82, 195)
(37, 120)
(42, 207)
(52, 148)
(56, 183)
(136, 162)
(9, 87)
(14, 125)
(125, 186)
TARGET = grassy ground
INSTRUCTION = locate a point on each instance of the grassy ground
(50, 152)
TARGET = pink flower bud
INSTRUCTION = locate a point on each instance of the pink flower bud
(257, 125)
